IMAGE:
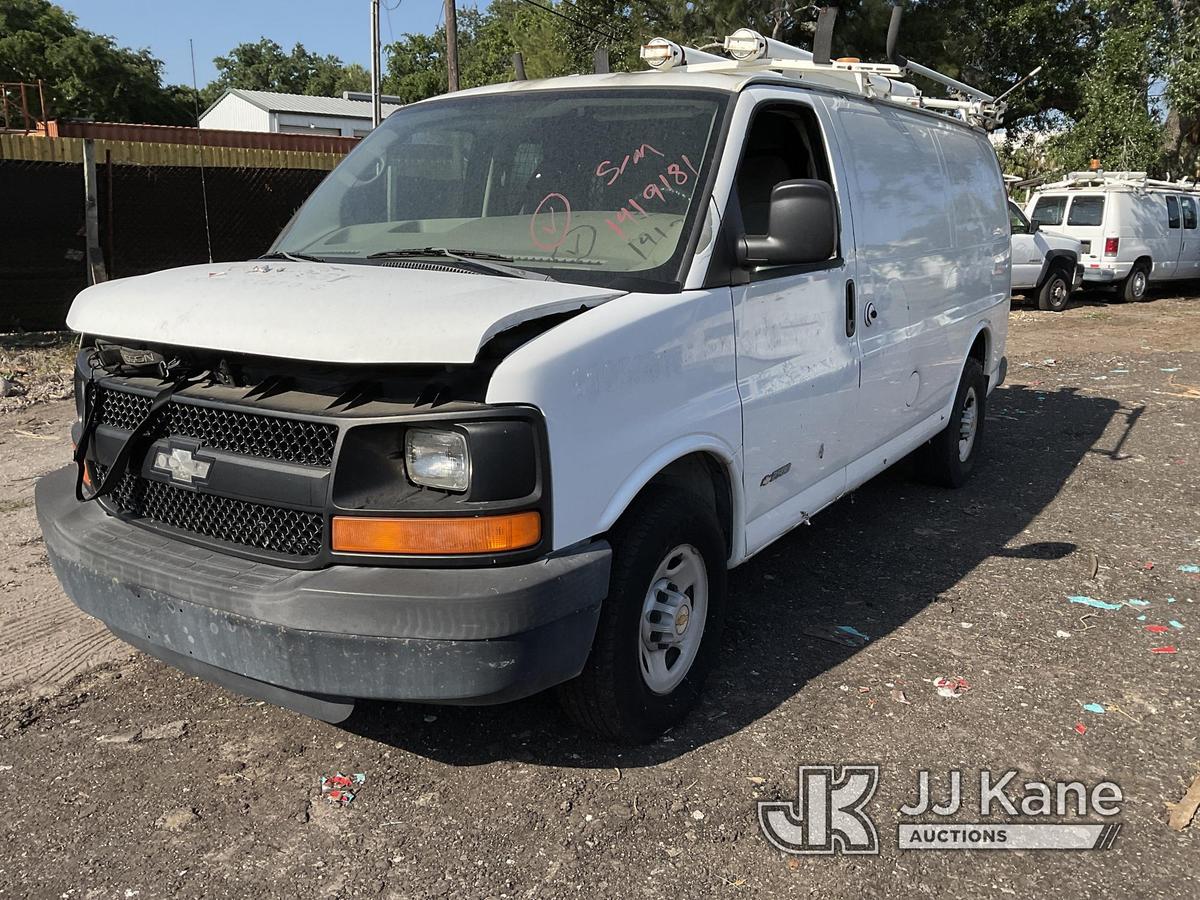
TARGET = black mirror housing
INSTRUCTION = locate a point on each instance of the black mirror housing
(802, 227)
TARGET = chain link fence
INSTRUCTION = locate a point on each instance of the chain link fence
(151, 218)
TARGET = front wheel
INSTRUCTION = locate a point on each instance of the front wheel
(949, 458)
(1055, 294)
(660, 626)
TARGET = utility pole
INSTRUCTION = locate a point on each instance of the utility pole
(451, 46)
(376, 106)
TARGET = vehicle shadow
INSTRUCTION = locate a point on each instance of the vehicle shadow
(872, 561)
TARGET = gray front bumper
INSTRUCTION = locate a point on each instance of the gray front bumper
(329, 636)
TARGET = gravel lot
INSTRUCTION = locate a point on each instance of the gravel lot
(132, 780)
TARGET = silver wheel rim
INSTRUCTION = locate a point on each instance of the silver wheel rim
(968, 424)
(1058, 295)
(673, 617)
(1139, 283)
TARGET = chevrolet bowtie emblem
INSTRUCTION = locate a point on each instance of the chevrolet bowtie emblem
(181, 465)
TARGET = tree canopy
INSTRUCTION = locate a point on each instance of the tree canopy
(1121, 78)
(85, 74)
(263, 65)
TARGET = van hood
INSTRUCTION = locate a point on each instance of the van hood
(323, 312)
(1056, 240)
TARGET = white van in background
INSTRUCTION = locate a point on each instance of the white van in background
(530, 370)
(1134, 230)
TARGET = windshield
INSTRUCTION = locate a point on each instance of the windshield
(590, 186)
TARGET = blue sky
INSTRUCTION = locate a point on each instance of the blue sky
(341, 27)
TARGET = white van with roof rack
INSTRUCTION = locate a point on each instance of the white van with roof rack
(528, 373)
(1135, 230)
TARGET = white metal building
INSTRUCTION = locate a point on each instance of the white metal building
(348, 115)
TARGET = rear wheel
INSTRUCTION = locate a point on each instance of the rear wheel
(660, 626)
(1133, 288)
(1055, 293)
(949, 458)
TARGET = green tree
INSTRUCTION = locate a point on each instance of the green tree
(85, 74)
(415, 65)
(263, 65)
(1182, 131)
(1114, 123)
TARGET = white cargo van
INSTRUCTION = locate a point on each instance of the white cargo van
(526, 375)
(1134, 230)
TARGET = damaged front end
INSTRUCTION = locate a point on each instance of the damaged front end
(270, 525)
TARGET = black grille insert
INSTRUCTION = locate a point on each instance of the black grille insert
(253, 434)
(279, 530)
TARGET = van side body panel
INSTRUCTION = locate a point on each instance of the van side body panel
(626, 388)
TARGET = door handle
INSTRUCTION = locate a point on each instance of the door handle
(851, 314)
(870, 314)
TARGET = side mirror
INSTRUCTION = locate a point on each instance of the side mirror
(1034, 226)
(802, 227)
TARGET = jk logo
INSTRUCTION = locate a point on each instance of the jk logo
(827, 816)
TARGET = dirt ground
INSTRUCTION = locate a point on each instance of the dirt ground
(125, 778)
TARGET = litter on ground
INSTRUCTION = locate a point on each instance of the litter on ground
(1190, 569)
(846, 635)
(1170, 648)
(1080, 728)
(336, 788)
(952, 687)
(1134, 602)
(1181, 814)
(1094, 603)
(1094, 708)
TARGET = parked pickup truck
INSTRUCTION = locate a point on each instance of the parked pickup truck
(1045, 266)
(526, 375)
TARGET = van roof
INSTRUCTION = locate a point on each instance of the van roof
(732, 82)
(1127, 182)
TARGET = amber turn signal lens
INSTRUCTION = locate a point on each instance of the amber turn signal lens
(436, 537)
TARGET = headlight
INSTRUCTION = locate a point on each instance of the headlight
(437, 459)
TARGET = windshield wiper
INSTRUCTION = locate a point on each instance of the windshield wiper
(490, 262)
(295, 257)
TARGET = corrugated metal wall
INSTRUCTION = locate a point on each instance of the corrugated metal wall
(232, 113)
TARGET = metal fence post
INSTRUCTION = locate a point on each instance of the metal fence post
(95, 256)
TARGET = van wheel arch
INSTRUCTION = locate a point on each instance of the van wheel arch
(1137, 282)
(705, 476)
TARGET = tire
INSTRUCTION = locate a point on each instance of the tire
(613, 696)
(1055, 294)
(942, 460)
(1133, 288)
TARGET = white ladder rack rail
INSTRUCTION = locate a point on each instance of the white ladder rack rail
(1136, 180)
(877, 81)
(752, 52)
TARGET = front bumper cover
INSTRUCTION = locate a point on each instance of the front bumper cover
(317, 640)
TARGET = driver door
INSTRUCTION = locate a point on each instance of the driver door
(797, 359)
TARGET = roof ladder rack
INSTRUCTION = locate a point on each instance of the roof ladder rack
(748, 52)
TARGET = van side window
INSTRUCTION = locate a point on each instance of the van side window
(1086, 211)
(1049, 211)
(1189, 212)
(1172, 212)
(784, 143)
